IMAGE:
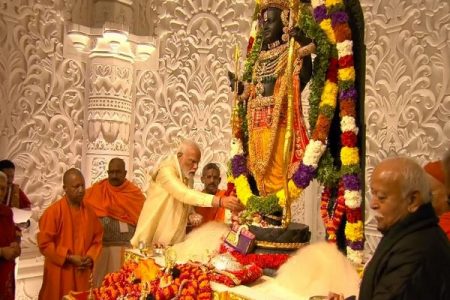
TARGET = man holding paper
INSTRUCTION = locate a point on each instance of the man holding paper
(14, 196)
(9, 246)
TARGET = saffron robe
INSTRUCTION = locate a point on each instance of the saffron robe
(212, 213)
(7, 236)
(267, 117)
(444, 222)
(123, 203)
(64, 230)
(170, 198)
(113, 203)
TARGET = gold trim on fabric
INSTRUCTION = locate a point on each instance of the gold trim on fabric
(227, 295)
(274, 245)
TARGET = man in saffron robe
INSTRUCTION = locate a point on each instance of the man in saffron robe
(117, 202)
(70, 238)
(435, 171)
(211, 179)
(14, 196)
(9, 246)
(444, 219)
(170, 198)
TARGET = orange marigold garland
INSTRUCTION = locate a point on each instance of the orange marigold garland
(119, 284)
(192, 283)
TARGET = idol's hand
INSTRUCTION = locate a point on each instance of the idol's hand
(299, 36)
(232, 78)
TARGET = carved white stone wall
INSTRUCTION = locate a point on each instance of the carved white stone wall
(407, 106)
(49, 119)
(42, 98)
(188, 95)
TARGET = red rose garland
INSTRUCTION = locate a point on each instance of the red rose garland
(332, 220)
(270, 261)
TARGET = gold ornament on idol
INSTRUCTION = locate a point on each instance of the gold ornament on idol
(281, 4)
(288, 136)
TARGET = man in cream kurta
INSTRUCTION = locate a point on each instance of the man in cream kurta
(170, 198)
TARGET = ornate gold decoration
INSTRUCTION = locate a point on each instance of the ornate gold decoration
(271, 63)
(285, 18)
(227, 295)
(285, 36)
(274, 245)
(285, 21)
(259, 160)
(281, 4)
(288, 135)
(273, 45)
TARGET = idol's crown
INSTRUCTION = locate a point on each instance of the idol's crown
(281, 4)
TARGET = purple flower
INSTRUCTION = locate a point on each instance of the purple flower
(320, 13)
(303, 176)
(338, 17)
(359, 245)
(348, 93)
(351, 182)
(239, 165)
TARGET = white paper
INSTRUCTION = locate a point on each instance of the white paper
(123, 227)
(21, 215)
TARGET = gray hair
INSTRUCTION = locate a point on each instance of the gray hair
(412, 177)
(187, 144)
(3, 175)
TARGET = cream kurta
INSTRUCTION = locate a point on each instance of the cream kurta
(164, 217)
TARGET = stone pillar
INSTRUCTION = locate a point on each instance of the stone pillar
(109, 104)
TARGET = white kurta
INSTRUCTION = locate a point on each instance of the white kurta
(170, 196)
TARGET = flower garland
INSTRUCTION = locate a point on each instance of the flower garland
(332, 221)
(332, 18)
(316, 146)
(339, 86)
(268, 260)
(191, 283)
(118, 284)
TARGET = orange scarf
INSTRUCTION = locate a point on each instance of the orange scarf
(123, 202)
(212, 213)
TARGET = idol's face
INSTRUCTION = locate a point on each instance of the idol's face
(272, 25)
